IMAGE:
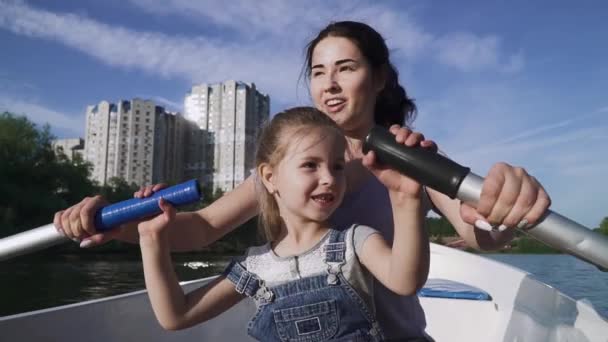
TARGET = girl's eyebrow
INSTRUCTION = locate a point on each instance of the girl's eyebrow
(311, 158)
(319, 159)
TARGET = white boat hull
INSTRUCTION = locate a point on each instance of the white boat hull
(520, 309)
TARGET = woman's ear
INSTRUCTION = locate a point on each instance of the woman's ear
(380, 77)
(266, 174)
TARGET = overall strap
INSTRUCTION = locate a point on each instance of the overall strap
(335, 255)
(248, 283)
(335, 249)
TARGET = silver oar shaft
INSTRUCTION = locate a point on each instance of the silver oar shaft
(554, 230)
(106, 218)
(30, 241)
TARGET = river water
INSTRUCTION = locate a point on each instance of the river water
(34, 283)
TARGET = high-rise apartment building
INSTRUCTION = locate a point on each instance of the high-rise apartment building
(70, 147)
(135, 140)
(229, 115)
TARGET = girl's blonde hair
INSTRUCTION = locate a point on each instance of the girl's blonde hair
(273, 142)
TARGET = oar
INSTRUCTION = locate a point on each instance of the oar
(456, 181)
(108, 217)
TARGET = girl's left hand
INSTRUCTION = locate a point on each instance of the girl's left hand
(158, 225)
(392, 179)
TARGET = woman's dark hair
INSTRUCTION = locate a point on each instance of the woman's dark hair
(393, 106)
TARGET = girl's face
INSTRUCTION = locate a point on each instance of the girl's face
(309, 182)
(342, 84)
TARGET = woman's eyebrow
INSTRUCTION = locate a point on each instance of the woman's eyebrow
(346, 60)
(338, 62)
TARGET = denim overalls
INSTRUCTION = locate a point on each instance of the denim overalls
(318, 308)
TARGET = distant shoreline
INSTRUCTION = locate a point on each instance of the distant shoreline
(519, 245)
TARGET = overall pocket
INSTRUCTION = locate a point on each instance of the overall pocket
(307, 323)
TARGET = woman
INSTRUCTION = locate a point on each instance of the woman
(353, 82)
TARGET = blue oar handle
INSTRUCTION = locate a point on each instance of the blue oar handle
(136, 208)
(111, 216)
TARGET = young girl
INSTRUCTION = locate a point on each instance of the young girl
(312, 281)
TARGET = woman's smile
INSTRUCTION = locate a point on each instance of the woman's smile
(335, 104)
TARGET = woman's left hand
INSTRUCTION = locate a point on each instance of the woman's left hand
(510, 197)
(392, 179)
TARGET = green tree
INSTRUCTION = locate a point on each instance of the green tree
(603, 228)
(439, 227)
(529, 245)
(117, 189)
(34, 181)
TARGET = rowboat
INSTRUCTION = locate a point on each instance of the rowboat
(467, 297)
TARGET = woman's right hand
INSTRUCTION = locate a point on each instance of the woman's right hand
(77, 221)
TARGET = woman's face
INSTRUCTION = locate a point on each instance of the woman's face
(342, 84)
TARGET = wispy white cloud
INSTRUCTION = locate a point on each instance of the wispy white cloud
(465, 51)
(268, 47)
(488, 122)
(539, 145)
(171, 105)
(272, 17)
(469, 52)
(196, 59)
(40, 114)
(11, 84)
(562, 133)
(407, 39)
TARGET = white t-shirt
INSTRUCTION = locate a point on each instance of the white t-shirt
(276, 270)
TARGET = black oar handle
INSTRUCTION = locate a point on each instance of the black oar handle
(429, 168)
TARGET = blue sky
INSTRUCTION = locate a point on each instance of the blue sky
(518, 81)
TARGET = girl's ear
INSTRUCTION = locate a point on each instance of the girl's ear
(266, 174)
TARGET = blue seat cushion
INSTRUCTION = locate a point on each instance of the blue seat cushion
(443, 288)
